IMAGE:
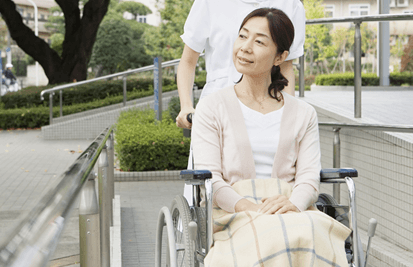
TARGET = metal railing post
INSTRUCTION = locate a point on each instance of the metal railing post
(357, 70)
(301, 77)
(51, 108)
(61, 103)
(111, 172)
(89, 233)
(105, 212)
(124, 90)
(336, 161)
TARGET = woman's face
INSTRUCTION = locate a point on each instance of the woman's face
(254, 51)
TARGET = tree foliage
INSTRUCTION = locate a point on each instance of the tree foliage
(134, 8)
(165, 40)
(119, 44)
(318, 39)
(3, 34)
(56, 22)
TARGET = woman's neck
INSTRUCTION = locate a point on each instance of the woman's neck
(256, 87)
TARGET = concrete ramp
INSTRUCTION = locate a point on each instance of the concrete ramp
(87, 125)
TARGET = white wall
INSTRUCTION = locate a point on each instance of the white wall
(31, 76)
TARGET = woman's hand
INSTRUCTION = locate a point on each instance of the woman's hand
(246, 205)
(181, 120)
(277, 205)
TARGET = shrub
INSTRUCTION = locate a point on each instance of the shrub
(143, 144)
(346, 79)
(401, 78)
(396, 79)
(30, 96)
(200, 79)
(174, 106)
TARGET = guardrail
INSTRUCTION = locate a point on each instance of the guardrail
(357, 49)
(35, 238)
(124, 74)
(368, 127)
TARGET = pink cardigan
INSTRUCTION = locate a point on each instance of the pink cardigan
(220, 144)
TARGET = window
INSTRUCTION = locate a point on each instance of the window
(402, 3)
(29, 15)
(329, 11)
(359, 10)
(141, 19)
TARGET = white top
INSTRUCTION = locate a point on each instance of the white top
(264, 135)
(213, 25)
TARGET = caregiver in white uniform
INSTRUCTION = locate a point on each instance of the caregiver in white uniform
(212, 25)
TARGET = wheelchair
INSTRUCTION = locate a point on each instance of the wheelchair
(189, 228)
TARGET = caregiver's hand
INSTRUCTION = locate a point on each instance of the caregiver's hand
(277, 205)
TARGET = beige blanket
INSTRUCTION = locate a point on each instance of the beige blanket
(309, 238)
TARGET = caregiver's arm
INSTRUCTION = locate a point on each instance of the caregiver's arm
(206, 143)
(308, 164)
(185, 81)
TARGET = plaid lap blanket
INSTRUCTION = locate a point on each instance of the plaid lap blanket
(309, 238)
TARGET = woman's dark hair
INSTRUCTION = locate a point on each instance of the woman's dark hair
(282, 34)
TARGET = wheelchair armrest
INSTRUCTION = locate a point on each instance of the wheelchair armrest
(195, 174)
(337, 173)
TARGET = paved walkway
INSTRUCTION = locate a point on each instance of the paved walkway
(29, 164)
(387, 107)
(29, 167)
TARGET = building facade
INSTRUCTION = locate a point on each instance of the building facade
(26, 10)
(347, 8)
(153, 19)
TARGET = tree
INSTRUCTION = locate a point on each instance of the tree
(397, 49)
(56, 22)
(317, 39)
(407, 58)
(80, 34)
(134, 8)
(3, 34)
(165, 40)
(119, 44)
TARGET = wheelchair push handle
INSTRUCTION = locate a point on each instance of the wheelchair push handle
(189, 117)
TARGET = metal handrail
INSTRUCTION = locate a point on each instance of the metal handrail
(124, 74)
(337, 126)
(110, 76)
(372, 127)
(34, 240)
(379, 17)
(357, 20)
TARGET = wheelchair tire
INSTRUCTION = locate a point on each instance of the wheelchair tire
(339, 214)
(181, 216)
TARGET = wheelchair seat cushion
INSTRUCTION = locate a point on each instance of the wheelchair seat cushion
(309, 238)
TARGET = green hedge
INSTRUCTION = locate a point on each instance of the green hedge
(401, 78)
(145, 145)
(39, 116)
(367, 79)
(346, 79)
(30, 97)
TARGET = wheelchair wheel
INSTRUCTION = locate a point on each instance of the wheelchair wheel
(181, 216)
(199, 217)
(329, 205)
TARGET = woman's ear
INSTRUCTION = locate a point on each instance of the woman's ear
(279, 59)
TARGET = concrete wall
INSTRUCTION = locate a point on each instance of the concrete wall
(384, 186)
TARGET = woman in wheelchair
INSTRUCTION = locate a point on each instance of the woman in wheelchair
(262, 148)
